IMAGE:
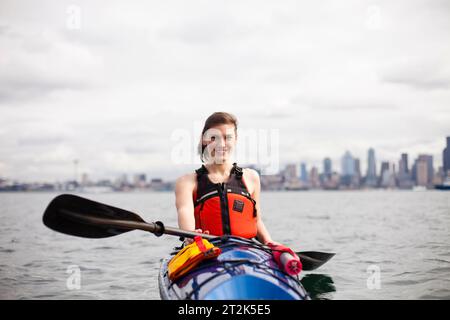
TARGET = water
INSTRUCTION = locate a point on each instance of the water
(403, 234)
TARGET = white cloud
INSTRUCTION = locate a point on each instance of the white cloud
(331, 76)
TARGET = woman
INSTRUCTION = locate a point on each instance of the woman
(220, 197)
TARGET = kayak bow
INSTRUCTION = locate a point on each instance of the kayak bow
(244, 271)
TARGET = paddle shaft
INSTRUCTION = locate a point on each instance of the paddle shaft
(153, 227)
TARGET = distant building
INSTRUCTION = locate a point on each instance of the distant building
(348, 169)
(121, 183)
(314, 180)
(290, 172)
(403, 170)
(438, 178)
(387, 175)
(357, 176)
(384, 174)
(85, 180)
(428, 160)
(327, 168)
(140, 180)
(303, 173)
(430, 168)
(157, 184)
(422, 173)
(371, 176)
(404, 175)
(446, 158)
(333, 182)
(104, 183)
(403, 164)
(348, 164)
(272, 182)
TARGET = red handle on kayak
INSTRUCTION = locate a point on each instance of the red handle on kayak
(286, 259)
(292, 265)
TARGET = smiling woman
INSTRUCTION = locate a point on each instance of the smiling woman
(220, 197)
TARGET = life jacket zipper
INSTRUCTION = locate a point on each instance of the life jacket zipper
(201, 207)
(224, 208)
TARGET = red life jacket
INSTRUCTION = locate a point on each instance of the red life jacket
(224, 208)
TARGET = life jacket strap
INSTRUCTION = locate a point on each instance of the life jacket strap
(202, 170)
(237, 171)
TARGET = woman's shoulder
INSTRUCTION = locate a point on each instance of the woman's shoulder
(189, 179)
(251, 174)
(251, 178)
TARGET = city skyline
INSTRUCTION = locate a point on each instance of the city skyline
(404, 174)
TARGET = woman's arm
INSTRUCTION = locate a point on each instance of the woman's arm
(184, 188)
(263, 234)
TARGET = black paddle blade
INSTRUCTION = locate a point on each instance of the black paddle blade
(76, 216)
(318, 286)
(311, 260)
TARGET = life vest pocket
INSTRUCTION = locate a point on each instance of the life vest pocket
(238, 205)
(242, 219)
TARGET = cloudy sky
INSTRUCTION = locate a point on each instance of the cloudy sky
(108, 83)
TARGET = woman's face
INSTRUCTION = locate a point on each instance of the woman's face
(220, 142)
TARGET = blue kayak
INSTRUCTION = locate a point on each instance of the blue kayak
(243, 271)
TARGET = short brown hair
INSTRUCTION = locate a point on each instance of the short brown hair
(217, 118)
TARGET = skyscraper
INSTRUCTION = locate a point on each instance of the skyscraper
(403, 169)
(303, 172)
(404, 174)
(348, 164)
(387, 175)
(446, 158)
(371, 176)
(327, 168)
(430, 170)
(357, 175)
(314, 178)
(348, 169)
(423, 160)
(422, 172)
(384, 173)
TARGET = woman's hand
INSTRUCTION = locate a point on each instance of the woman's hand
(272, 243)
(188, 241)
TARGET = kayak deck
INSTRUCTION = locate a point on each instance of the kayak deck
(243, 271)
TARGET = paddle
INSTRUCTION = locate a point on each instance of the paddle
(77, 216)
(312, 260)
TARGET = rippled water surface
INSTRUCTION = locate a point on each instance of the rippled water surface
(403, 234)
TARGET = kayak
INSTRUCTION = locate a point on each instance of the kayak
(243, 271)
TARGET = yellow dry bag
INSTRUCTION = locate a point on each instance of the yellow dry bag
(190, 256)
